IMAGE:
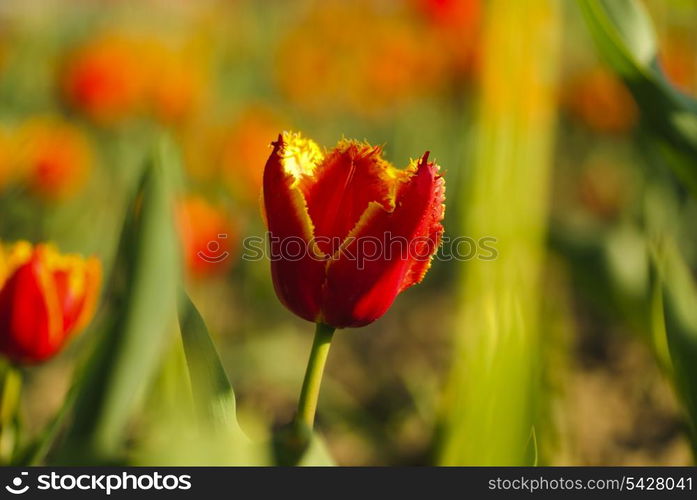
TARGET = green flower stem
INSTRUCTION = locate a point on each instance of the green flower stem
(307, 404)
(9, 406)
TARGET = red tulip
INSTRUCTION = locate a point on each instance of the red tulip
(348, 231)
(45, 299)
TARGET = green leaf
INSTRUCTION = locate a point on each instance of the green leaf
(129, 353)
(214, 397)
(680, 313)
(317, 454)
(625, 38)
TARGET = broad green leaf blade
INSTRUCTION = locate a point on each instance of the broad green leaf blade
(214, 396)
(493, 393)
(680, 312)
(317, 454)
(623, 33)
(129, 353)
(624, 36)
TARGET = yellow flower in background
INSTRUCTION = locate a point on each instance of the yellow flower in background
(354, 56)
(232, 154)
(55, 156)
(8, 170)
(176, 82)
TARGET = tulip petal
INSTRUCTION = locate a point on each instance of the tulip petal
(428, 238)
(362, 284)
(77, 287)
(13, 256)
(29, 309)
(351, 177)
(297, 266)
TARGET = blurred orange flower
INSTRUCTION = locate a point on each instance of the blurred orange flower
(8, 170)
(245, 149)
(105, 78)
(45, 299)
(208, 237)
(323, 64)
(55, 157)
(456, 26)
(678, 59)
(601, 101)
(176, 83)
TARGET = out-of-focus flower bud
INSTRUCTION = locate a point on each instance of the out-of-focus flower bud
(208, 237)
(55, 156)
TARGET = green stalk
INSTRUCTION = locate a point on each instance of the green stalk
(309, 394)
(9, 405)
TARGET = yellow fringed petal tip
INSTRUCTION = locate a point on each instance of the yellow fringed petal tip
(300, 155)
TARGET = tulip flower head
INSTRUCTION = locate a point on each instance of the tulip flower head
(348, 231)
(45, 299)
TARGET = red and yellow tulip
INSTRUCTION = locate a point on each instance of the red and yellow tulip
(45, 299)
(323, 208)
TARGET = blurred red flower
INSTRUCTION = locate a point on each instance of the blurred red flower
(208, 237)
(678, 59)
(54, 156)
(323, 66)
(322, 209)
(45, 299)
(456, 25)
(105, 78)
